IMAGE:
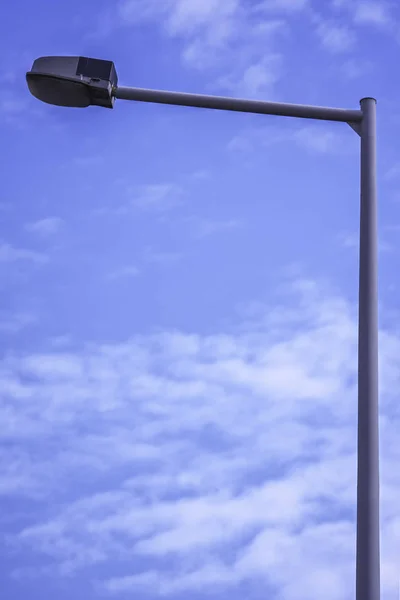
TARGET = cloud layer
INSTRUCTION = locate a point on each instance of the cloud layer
(195, 463)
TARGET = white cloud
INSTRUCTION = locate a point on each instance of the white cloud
(261, 75)
(372, 12)
(335, 37)
(151, 255)
(352, 241)
(205, 227)
(45, 227)
(158, 197)
(368, 12)
(257, 79)
(16, 109)
(124, 272)
(393, 172)
(61, 341)
(354, 68)
(182, 17)
(236, 40)
(317, 138)
(154, 197)
(88, 160)
(12, 106)
(285, 6)
(11, 254)
(202, 174)
(8, 76)
(188, 17)
(14, 323)
(231, 453)
(206, 26)
(241, 143)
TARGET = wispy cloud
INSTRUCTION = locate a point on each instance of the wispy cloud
(335, 37)
(10, 254)
(156, 197)
(243, 142)
(12, 107)
(317, 138)
(258, 78)
(124, 272)
(17, 109)
(352, 241)
(205, 227)
(352, 68)
(239, 42)
(372, 12)
(281, 6)
(192, 428)
(393, 173)
(377, 13)
(214, 21)
(207, 27)
(45, 227)
(151, 255)
(320, 140)
(202, 174)
(61, 341)
(14, 323)
(88, 161)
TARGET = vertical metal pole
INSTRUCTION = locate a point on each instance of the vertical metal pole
(368, 543)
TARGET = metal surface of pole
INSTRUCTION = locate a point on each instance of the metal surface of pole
(368, 542)
(261, 107)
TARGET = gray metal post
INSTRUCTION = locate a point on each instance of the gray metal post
(261, 107)
(368, 543)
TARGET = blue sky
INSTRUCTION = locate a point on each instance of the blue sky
(178, 307)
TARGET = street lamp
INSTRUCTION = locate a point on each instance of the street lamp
(81, 82)
(73, 81)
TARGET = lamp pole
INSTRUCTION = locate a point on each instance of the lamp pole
(367, 566)
(81, 82)
(364, 123)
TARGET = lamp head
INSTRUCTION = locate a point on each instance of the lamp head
(73, 81)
